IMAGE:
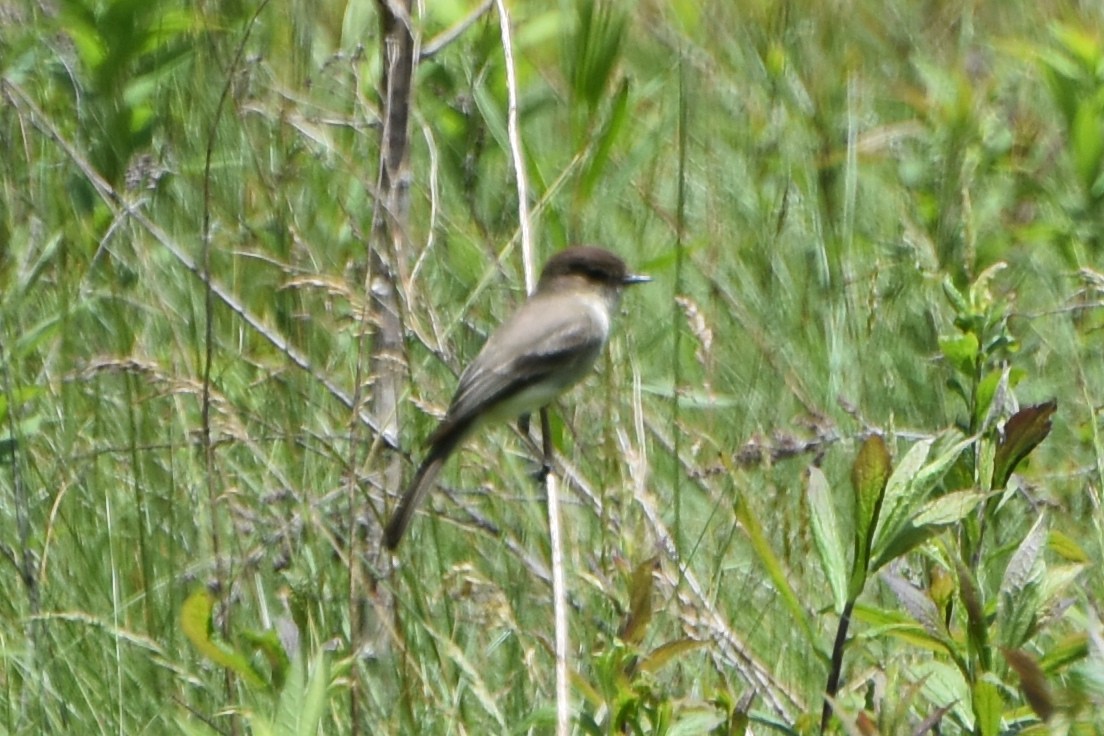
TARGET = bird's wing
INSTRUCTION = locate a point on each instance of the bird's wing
(566, 347)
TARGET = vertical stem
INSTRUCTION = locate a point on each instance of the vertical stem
(559, 586)
(559, 605)
(676, 368)
(210, 468)
(551, 487)
(516, 153)
(836, 666)
(387, 249)
(389, 224)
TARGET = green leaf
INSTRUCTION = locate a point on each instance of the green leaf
(932, 472)
(906, 539)
(315, 702)
(636, 621)
(302, 702)
(1055, 586)
(700, 720)
(986, 389)
(954, 296)
(594, 49)
(1020, 597)
(947, 509)
(822, 515)
(605, 139)
(896, 502)
(79, 25)
(944, 685)
(983, 467)
(1072, 648)
(906, 491)
(1087, 142)
(995, 401)
(261, 726)
(50, 256)
(661, 655)
(490, 110)
(1023, 569)
(1022, 434)
(884, 623)
(1061, 74)
(958, 389)
(35, 336)
(268, 644)
(690, 398)
(191, 727)
(20, 396)
(1066, 547)
(195, 622)
(987, 708)
(738, 723)
(869, 475)
(961, 351)
(286, 720)
(916, 602)
(1084, 48)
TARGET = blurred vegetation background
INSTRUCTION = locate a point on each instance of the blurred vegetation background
(863, 219)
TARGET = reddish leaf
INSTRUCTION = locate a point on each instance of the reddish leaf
(1022, 434)
(1032, 681)
(976, 631)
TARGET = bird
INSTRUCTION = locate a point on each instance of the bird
(549, 344)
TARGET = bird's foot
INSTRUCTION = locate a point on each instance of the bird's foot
(540, 471)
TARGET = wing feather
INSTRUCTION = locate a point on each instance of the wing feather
(567, 346)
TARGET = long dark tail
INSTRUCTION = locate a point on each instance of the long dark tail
(443, 445)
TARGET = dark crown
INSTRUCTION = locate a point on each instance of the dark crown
(593, 263)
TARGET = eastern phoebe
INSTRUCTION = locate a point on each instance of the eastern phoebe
(549, 344)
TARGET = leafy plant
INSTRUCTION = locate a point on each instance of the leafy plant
(942, 494)
(299, 694)
(127, 50)
(625, 695)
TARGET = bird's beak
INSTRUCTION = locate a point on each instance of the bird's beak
(635, 278)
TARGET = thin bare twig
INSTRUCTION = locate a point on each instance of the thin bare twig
(516, 153)
(434, 204)
(443, 39)
(559, 586)
(209, 465)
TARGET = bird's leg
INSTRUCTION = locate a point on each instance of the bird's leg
(542, 468)
(546, 443)
(545, 466)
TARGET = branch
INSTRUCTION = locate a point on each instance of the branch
(443, 39)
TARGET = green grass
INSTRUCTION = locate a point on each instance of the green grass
(842, 165)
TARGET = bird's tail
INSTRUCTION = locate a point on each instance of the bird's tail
(442, 447)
